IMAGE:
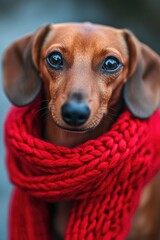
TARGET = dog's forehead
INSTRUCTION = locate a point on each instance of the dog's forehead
(84, 35)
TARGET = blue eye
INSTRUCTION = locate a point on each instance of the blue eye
(111, 65)
(55, 60)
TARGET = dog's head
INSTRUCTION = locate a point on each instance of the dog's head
(83, 68)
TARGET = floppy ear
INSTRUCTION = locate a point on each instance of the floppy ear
(21, 80)
(142, 89)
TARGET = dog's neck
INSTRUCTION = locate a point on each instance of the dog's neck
(61, 137)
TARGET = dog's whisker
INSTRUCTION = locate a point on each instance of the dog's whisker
(42, 109)
(44, 100)
(112, 114)
(44, 114)
(109, 117)
(112, 109)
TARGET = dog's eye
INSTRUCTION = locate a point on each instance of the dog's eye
(55, 60)
(111, 65)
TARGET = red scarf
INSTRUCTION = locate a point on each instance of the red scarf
(103, 177)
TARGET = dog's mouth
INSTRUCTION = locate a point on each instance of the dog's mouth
(87, 126)
(74, 129)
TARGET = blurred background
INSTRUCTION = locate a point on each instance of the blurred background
(18, 17)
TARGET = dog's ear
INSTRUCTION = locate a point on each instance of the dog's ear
(142, 89)
(21, 80)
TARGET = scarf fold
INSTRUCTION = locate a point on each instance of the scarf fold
(103, 177)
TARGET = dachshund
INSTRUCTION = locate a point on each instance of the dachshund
(88, 73)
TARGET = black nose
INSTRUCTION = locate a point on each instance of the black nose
(75, 113)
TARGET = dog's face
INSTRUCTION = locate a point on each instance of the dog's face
(83, 68)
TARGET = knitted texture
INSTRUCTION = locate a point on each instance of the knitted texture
(103, 177)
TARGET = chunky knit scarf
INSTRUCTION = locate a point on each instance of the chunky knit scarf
(103, 177)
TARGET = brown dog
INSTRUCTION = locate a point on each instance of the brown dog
(83, 69)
